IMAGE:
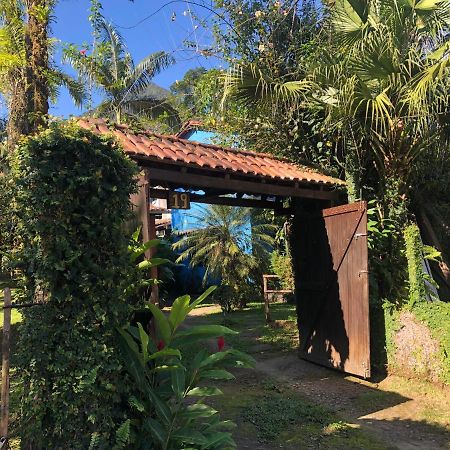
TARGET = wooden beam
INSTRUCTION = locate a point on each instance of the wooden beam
(230, 201)
(141, 204)
(191, 180)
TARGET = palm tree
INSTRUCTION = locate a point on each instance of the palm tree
(226, 247)
(382, 84)
(28, 77)
(128, 88)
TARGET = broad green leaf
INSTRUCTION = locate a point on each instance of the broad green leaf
(162, 323)
(190, 436)
(217, 375)
(229, 357)
(202, 297)
(139, 250)
(206, 391)
(144, 342)
(156, 430)
(132, 361)
(201, 332)
(179, 311)
(178, 382)
(165, 352)
(161, 408)
(136, 234)
(167, 368)
(152, 262)
(197, 410)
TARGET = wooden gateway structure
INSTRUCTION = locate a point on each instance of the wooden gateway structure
(329, 242)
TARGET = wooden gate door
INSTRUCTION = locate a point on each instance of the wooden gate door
(332, 288)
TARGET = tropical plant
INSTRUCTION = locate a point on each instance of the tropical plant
(28, 75)
(129, 92)
(226, 246)
(379, 87)
(166, 370)
(383, 83)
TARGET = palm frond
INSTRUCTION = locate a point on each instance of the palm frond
(76, 88)
(249, 85)
(146, 70)
(152, 109)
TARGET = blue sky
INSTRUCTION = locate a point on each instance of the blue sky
(159, 32)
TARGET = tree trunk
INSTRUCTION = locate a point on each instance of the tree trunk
(37, 39)
(20, 107)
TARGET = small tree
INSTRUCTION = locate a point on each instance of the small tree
(129, 92)
(71, 201)
(226, 247)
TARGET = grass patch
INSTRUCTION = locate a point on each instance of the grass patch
(274, 414)
(277, 417)
(250, 321)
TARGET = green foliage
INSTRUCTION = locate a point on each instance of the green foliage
(414, 256)
(227, 249)
(387, 272)
(281, 265)
(419, 280)
(128, 88)
(166, 373)
(186, 97)
(436, 315)
(71, 200)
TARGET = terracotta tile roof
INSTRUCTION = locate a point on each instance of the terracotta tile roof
(172, 149)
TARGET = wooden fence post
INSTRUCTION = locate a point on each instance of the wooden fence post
(5, 364)
(266, 301)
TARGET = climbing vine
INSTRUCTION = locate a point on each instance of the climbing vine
(71, 201)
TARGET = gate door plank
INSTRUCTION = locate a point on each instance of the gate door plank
(332, 288)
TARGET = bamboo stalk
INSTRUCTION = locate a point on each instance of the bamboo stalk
(5, 364)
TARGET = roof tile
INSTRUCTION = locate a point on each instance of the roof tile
(150, 145)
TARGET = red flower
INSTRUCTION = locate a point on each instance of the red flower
(83, 52)
(160, 345)
(220, 343)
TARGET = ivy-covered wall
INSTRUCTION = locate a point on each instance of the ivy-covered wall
(417, 331)
(418, 341)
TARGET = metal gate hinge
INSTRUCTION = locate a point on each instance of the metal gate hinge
(358, 235)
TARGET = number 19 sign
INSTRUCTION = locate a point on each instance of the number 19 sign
(178, 200)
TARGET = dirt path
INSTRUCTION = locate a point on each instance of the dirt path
(398, 412)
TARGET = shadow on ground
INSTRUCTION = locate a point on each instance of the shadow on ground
(272, 403)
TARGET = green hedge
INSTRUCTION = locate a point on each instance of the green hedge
(71, 198)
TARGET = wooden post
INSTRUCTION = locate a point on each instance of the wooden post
(266, 301)
(141, 202)
(5, 364)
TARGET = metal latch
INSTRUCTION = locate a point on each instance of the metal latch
(358, 235)
(362, 271)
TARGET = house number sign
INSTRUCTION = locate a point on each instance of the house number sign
(178, 200)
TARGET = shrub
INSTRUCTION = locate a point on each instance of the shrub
(282, 267)
(71, 201)
(167, 371)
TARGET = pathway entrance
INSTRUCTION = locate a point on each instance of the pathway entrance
(329, 243)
